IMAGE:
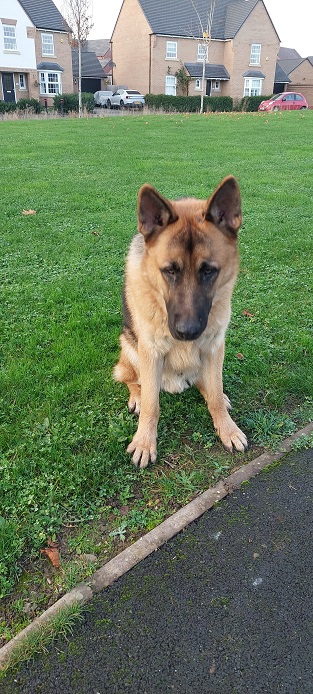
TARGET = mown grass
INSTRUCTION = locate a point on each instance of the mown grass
(64, 473)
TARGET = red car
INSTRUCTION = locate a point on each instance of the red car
(288, 101)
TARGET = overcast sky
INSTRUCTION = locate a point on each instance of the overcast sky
(293, 21)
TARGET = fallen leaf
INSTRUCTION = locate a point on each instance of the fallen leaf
(53, 554)
(212, 667)
(27, 212)
(248, 314)
(240, 356)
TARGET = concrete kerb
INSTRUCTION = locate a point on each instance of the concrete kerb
(128, 558)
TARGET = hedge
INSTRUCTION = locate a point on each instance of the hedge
(31, 105)
(251, 103)
(70, 102)
(188, 104)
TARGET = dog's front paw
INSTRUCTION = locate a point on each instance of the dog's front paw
(231, 436)
(143, 450)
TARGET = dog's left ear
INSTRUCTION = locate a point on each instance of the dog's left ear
(224, 206)
(155, 213)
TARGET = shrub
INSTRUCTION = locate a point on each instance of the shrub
(29, 104)
(70, 102)
(183, 80)
(188, 104)
(251, 103)
(7, 106)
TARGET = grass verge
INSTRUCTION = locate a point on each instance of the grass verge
(38, 641)
(65, 477)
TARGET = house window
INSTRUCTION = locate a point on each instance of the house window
(171, 50)
(255, 55)
(253, 87)
(47, 44)
(216, 85)
(202, 51)
(22, 81)
(170, 85)
(50, 83)
(198, 84)
(9, 38)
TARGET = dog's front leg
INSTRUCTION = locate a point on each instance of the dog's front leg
(144, 444)
(210, 385)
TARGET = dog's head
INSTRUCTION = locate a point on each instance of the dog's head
(191, 252)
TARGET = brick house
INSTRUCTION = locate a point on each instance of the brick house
(35, 51)
(299, 71)
(153, 38)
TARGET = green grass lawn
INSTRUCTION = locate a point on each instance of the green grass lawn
(64, 424)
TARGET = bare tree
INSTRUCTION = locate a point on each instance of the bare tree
(79, 16)
(206, 29)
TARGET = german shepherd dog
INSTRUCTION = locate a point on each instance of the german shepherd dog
(180, 273)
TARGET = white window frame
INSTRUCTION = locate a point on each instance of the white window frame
(9, 38)
(202, 52)
(255, 54)
(48, 85)
(47, 44)
(253, 86)
(170, 85)
(171, 50)
(216, 85)
(198, 84)
(22, 81)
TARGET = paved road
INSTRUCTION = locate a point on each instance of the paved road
(226, 607)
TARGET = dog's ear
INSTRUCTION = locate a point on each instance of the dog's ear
(224, 206)
(155, 213)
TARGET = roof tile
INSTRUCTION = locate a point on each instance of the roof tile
(184, 18)
(44, 15)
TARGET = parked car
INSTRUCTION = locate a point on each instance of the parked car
(101, 98)
(126, 98)
(288, 101)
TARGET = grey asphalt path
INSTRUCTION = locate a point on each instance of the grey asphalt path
(225, 607)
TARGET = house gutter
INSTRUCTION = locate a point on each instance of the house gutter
(194, 38)
(111, 48)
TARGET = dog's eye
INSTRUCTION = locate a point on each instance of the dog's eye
(208, 272)
(171, 271)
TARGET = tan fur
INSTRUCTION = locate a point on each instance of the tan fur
(180, 273)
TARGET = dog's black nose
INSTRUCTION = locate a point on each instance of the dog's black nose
(188, 331)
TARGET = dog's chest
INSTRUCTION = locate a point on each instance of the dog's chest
(182, 366)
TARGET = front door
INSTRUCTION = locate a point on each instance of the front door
(8, 86)
(208, 88)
